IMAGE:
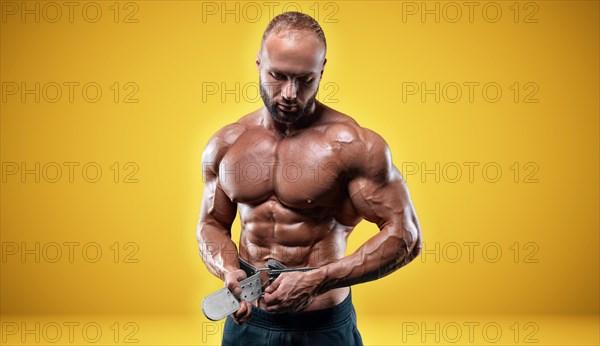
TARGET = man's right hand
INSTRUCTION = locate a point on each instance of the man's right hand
(232, 282)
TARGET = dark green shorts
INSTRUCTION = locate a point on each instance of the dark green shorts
(331, 326)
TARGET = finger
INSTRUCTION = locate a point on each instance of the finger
(277, 307)
(234, 286)
(274, 285)
(237, 316)
(240, 274)
(272, 299)
(243, 314)
(232, 281)
(242, 310)
(246, 316)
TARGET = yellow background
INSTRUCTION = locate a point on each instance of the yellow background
(193, 67)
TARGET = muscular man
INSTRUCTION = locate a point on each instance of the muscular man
(302, 176)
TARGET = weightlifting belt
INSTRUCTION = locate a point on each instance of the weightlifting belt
(223, 302)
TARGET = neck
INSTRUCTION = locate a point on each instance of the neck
(287, 129)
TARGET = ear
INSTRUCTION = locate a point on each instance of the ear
(258, 59)
(323, 68)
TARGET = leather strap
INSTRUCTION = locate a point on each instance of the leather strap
(223, 302)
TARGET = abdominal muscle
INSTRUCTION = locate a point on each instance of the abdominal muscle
(296, 238)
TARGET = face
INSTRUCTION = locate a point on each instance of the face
(290, 65)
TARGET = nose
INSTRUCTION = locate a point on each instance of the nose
(290, 90)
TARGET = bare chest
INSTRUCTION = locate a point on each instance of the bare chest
(302, 172)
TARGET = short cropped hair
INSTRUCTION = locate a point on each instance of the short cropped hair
(294, 21)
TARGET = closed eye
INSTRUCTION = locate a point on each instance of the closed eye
(277, 76)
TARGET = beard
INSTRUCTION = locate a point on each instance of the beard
(281, 116)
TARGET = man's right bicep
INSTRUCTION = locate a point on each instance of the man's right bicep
(217, 209)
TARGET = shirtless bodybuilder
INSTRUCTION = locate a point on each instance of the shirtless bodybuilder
(302, 175)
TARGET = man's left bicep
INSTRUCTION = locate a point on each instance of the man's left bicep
(385, 201)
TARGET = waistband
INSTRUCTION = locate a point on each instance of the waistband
(304, 320)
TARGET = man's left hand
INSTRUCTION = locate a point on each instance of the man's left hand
(291, 291)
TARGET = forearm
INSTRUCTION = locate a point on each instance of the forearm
(218, 251)
(384, 253)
